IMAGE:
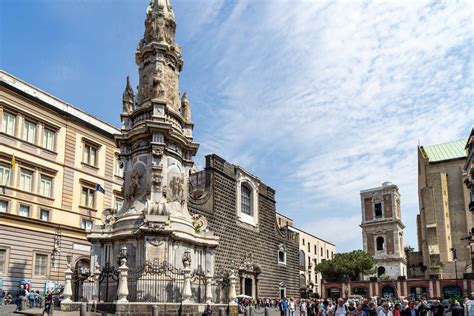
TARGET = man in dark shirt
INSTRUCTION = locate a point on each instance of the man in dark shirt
(410, 310)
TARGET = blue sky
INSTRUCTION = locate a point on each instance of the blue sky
(318, 99)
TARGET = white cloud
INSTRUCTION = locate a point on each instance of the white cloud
(339, 93)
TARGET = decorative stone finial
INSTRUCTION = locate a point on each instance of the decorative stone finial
(186, 108)
(128, 98)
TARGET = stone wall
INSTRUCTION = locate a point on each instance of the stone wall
(218, 205)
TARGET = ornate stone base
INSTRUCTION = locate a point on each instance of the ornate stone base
(138, 309)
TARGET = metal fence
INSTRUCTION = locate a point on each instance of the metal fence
(155, 282)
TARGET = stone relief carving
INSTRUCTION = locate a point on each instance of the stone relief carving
(158, 88)
(199, 222)
(136, 189)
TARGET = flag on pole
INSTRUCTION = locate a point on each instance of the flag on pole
(99, 188)
(13, 162)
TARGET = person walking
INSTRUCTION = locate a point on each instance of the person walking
(385, 311)
(47, 302)
(292, 307)
(340, 309)
(283, 306)
(457, 309)
(303, 308)
(360, 310)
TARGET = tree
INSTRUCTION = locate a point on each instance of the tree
(346, 265)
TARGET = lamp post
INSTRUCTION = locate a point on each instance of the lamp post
(455, 258)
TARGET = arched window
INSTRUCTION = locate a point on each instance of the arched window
(245, 199)
(388, 291)
(281, 254)
(380, 243)
(380, 271)
(302, 281)
(302, 260)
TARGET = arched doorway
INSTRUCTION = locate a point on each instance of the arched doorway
(388, 291)
(418, 292)
(334, 293)
(81, 272)
(362, 291)
(450, 291)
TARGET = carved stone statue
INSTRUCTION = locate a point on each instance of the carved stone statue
(158, 88)
(186, 108)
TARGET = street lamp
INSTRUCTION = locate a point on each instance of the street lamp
(455, 258)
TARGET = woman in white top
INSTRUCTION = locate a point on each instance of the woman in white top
(292, 307)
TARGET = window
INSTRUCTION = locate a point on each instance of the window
(380, 243)
(86, 224)
(4, 175)
(9, 123)
(49, 139)
(46, 185)
(281, 255)
(315, 250)
(26, 180)
(41, 264)
(302, 260)
(3, 206)
(322, 253)
(29, 132)
(303, 242)
(309, 247)
(90, 155)
(87, 197)
(44, 215)
(118, 203)
(327, 254)
(378, 210)
(3, 260)
(24, 211)
(118, 167)
(245, 200)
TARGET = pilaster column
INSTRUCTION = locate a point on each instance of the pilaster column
(122, 291)
(208, 287)
(67, 284)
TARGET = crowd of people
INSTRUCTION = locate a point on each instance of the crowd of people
(34, 299)
(341, 307)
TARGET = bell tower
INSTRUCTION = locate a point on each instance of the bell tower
(382, 229)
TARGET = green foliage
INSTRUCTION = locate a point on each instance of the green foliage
(346, 265)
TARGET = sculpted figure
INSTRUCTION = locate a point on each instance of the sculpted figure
(158, 88)
(186, 108)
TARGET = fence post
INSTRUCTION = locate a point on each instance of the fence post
(83, 310)
(67, 283)
(95, 289)
(122, 291)
(155, 310)
(208, 287)
(187, 294)
(232, 294)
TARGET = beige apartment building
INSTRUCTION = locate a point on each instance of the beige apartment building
(53, 158)
(444, 218)
(313, 250)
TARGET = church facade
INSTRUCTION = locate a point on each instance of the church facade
(240, 210)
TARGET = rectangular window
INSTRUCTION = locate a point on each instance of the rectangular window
(29, 132)
(46, 185)
(88, 197)
(3, 206)
(86, 224)
(327, 254)
(309, 247)
(303, 241)
(9, 123)
(118, 203)
(315, 250)
(378, 210)
(322, 253)
(49, 139)
(90, 155)
(41, 264)
(26, 180)
(24, 211)
(3, 260)
(5, 175)
(44, 215)
(118, 167)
